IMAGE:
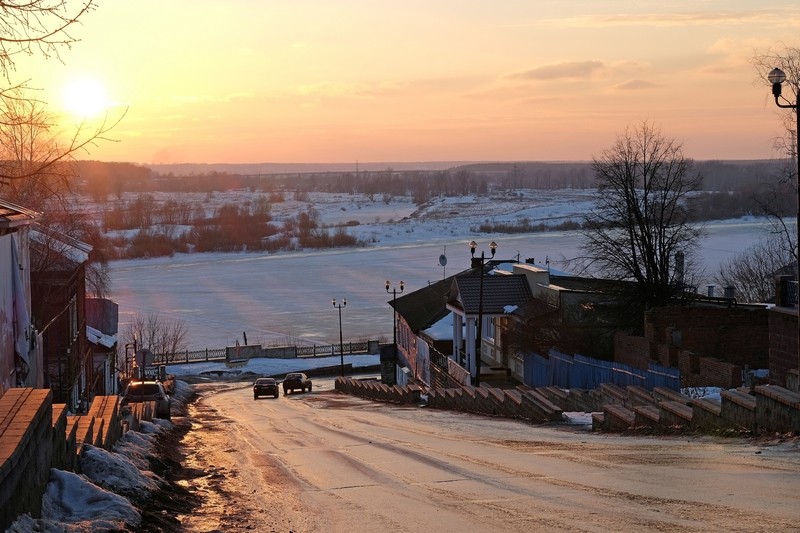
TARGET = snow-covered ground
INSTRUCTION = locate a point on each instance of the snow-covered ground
(285, 298)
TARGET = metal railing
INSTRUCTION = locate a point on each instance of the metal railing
(280, 352)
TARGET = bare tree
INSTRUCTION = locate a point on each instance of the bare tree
(752, 272)
(787, 58)
(640, 220)
(29, 27)
(35, 172)
(158, 334)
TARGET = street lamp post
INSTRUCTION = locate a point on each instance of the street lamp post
(777, 77)
(479, 262)
(341, 342)
(393, 292)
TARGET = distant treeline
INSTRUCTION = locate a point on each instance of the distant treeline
(734, 188)
(102, 179)
(143, 226)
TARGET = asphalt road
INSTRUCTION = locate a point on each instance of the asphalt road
(326, 461)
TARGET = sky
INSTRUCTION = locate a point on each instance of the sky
(313, 81)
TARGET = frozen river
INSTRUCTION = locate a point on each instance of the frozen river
(279, 298)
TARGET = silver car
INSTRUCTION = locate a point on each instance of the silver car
(148, 391)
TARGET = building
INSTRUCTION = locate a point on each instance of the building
(19, 362)
(58, 295)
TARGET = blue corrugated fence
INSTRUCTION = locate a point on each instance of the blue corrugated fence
(581, 372)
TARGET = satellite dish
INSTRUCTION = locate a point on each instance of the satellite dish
(442, 260)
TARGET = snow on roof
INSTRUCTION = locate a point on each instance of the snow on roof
(96, 336)
(443, 329)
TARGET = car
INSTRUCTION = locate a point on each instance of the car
(148, 391)
(265, 387)
(294, 381)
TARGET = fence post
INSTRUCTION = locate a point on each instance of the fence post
(206, 354)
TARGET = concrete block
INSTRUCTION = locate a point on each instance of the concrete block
(618, 418)
(777, 409)
(738, 410)
(613, 394)
(664, 394)
(707, 415)
(639, 396)
(647, 416)
(675, 414)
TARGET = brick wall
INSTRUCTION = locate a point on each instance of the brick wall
(709, 345)
(632, 351)
(737, 335)
(783, 350)
(699, 371)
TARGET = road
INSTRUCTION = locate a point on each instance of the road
(327, 461)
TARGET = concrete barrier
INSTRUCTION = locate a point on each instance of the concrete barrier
(613, 394)
(707, 415)
(777, 408)
(618, 418)
(662, 394)
(739, 409)
(647, 416)
(675, 414)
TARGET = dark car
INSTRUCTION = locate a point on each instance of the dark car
(294, 381)
(148, 391)
(265, 387)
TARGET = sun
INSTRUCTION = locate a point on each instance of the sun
(85, 98)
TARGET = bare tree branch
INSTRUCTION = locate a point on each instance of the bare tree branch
(641, 218)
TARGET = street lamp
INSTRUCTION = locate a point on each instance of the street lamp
(393, 291)
(341, 343)
(777, 77)
(478, 262)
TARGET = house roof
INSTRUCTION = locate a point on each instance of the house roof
(12, 216)
(57, 251)
(499, 292)
(424, 307)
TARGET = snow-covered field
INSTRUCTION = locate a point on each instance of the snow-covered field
(286, 297)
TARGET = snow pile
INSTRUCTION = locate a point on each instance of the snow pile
(73, 504)
(117, 473)
(99, 499)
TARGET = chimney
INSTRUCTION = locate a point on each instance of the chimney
(730, 292)
(679, 268)
(711, 291)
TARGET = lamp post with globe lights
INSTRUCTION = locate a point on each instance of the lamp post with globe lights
(777, 78)
(341, 342)
(393, 291)
(478, 262)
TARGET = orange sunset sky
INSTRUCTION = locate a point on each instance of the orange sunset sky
(249, 81)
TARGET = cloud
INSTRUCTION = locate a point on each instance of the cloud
(697, 18)
(556, 71)
(636, 85)
(330, 89)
